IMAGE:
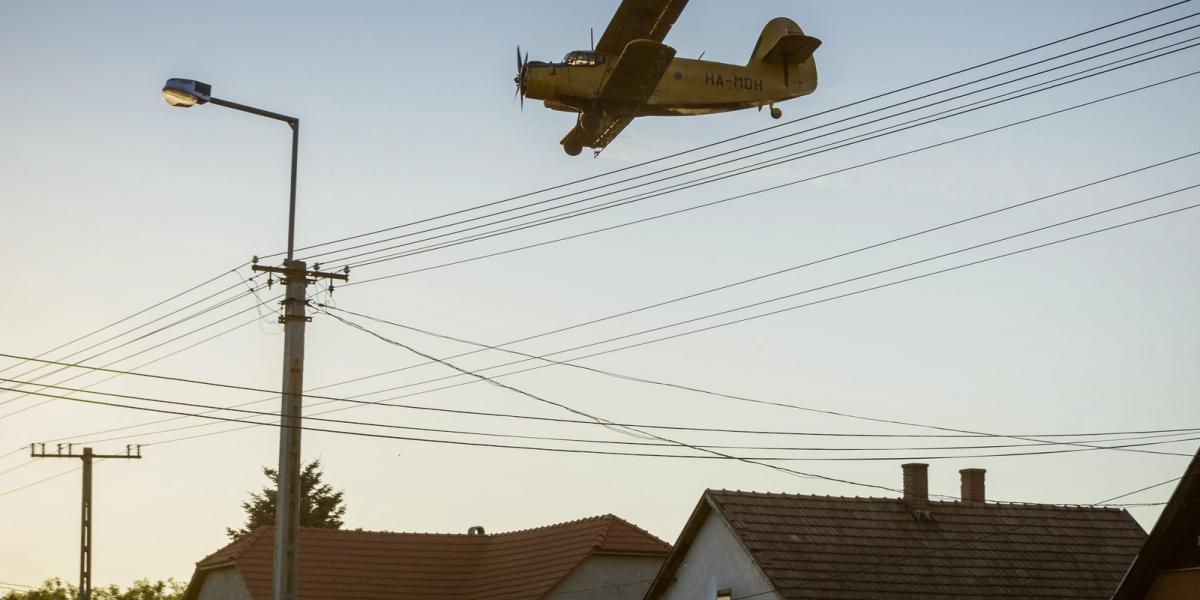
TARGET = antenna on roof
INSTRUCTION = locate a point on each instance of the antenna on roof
(592, 37)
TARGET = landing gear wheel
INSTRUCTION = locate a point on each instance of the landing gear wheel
(776, 113)
(572, 149)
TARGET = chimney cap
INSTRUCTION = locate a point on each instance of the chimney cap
(476, 530)
(974, 484)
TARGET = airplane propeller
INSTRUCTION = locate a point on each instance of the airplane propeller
(520, 79)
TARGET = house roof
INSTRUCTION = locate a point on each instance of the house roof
(1172, 542)
(825, 548)
(519, 565)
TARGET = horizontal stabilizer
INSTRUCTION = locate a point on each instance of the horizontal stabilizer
(793, 48)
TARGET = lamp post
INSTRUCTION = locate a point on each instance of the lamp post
(296, 277)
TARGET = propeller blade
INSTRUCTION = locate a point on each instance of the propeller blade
(522, 71)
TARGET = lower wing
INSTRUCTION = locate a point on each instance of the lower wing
(628, 86)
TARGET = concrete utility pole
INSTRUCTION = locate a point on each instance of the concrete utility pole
(85, 515)
(296, 276)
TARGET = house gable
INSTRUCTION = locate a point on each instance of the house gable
(834, 548)
(709, 558)
(1168, 566)
(608, 577)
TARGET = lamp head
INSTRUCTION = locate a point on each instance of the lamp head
(186, 92)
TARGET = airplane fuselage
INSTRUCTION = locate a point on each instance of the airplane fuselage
(688, 87)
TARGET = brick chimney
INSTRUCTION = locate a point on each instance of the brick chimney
(916, 484)
(972, 485)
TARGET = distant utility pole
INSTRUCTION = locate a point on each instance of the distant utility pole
(296, 276)
(85, 515)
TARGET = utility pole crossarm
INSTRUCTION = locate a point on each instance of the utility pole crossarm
(311, 274)
(39, 451)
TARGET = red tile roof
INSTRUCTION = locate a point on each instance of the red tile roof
(827, 548)
(520, 565)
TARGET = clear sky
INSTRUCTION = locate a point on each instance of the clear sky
(111, 201)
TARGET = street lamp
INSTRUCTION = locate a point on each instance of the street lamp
(185, 93)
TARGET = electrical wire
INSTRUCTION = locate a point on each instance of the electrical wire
(752, 279)
(773, 127)
(139, 338)
(128, 317)
(154, 347)
(776, 312)
(829, 299)
(812, 289)
(1090, 445)
(1151, 432)
(1140, 490)
(807, 153)
(825, 259)
(1140, 438)
(770, 188)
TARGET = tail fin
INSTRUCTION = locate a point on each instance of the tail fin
(783, 42)
(782, 39)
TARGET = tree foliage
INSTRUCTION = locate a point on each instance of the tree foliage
(320, 505)
(142, 589)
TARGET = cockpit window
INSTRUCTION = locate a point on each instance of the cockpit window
(582, 58)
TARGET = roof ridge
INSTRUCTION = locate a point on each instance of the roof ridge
(638, 529)
(550, 526)
(603, 533)
(932, 502)
(236, 547)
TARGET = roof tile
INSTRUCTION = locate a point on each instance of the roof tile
(830, 548)
(519, 565)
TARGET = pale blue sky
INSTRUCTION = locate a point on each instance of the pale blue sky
(113, 200)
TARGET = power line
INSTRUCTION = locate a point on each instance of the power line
(813, 303)
(1082, 446)
(38, 482)
(384, 403)
(769, 128)
(589, 422)
(242, 295)
(156, 346)
(819, 288)
(829, 258)
(1140, 490)
(126, 318)
(614, 204)
(1140, 438)
(714, 455)
(789, 269)
(770, 188)
(139, 338)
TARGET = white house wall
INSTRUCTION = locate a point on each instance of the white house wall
(716, 561)
(223, 584)
(608, 578)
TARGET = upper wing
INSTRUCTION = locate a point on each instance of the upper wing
(627, 88)
(639, 20)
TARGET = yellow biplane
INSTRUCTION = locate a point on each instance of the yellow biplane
(631, 73)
